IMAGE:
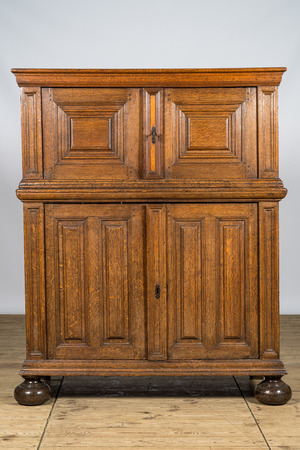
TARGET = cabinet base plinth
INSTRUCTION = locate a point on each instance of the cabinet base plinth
(238, 367)
(32, 392)
(273, 391)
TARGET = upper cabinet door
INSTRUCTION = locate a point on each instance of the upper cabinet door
(210, 133)
(125, 134)
(91, 133)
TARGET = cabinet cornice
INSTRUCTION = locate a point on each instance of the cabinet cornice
(261, 76)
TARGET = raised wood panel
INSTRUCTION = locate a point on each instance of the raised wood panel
(188, 243)
(115, 280)
(210, 133)
(31, 119)
(268, 131)
(71, 260)
(237, 263)
(186, 268)
(100, 311)
(156, 279)
(91, 133)
(232, 278)
(34, 264)
(269, 279)
(212, 281)
(153, 120)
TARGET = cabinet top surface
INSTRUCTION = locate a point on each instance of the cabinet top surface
(228, 77)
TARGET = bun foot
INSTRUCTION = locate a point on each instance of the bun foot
(32, 392)
(273, 391)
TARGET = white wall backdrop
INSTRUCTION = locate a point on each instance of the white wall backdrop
(137, 34)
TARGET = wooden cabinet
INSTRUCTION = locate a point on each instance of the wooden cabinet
(151, 225)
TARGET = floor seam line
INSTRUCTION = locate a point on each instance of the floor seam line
(49, 416)
(251, 412)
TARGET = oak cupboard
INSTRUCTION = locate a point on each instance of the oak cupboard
(151, 225)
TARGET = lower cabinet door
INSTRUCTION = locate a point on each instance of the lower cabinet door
(212, 281)
(95, 281)
(157, 282)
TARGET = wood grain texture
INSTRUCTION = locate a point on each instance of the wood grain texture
(210, 133)
(268, 131)
(269, 279)
(186, 284)
(149, 77)
(173, 191)
(88, 133)
(212, 280)
(31, 118)
(35, 298)
(95, 281)
(153, 120)
(153, 368)
(156, 279)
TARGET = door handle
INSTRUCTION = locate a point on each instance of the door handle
(153, 134)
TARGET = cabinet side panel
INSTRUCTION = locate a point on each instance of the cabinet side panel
(269, 280)
(31, 124)
(35, 280)
(268, 131)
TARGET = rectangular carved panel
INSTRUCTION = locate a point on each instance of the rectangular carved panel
(236, 263)
(91, 133)
(210, 133)
(269, 280)
(153, 133)
(35, 281)
(188, 261)
(31, 133)
(95, 285)
(115, 279)
(72, 280)
(268, 131)
(156, 282)
(186, 267)
(232, 278)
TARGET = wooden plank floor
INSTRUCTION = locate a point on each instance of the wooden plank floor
(147, 413)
